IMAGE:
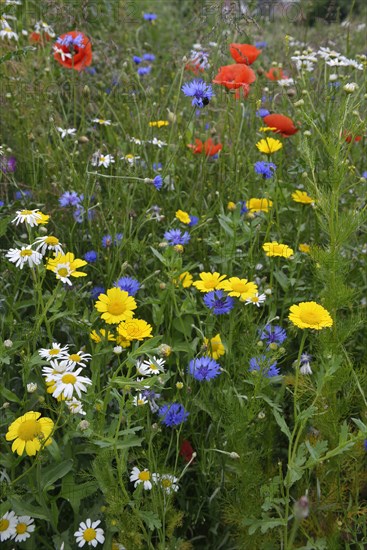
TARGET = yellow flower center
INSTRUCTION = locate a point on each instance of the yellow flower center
(54, 351)
(75, 357)
(144, 476)
(68, 379)
(28, 430)
(26, 212)
(26, 252)
(309, 317)
(166, 483)
(63, 271)
(116, 307)
(21, 528)
(254, 299)
(89, 534)
(51, 240)
(239, 286)
(4, 524)
(152, 366)
(141, 402)
(211, 283)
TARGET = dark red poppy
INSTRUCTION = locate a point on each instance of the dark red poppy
(208, 147)
(283, 125)
(349, 137)
(73, 50)
(275, 73)
(186, 450)
(244, 53)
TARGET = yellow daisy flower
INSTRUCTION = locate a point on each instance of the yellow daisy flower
(231, 206)
(101, 335)
(44, 219)
(305, 248)
(209, 281)
(158, 123)
(183, 216)
(185, 279)
(302, 197)
(239, 288)
(310, 315)
(115, 306)
(214, 347)
(29, 432)
(135, 329)
(269, 145)
(65, 266)
(277, 249)
(259, 205)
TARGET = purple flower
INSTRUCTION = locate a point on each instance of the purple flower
(157, 182)
(200, 91)
(173, 414)
(2, 203)
(144, 70)
(8, 164)
(194, 220)
(264, 365)
(118, 238)
(260, 45)
(152, 396)
(365, 444)
(364, 175)
(150, 16)
(137, 59)
(96, 291)
(262, 112)
(149, 57)
(130, 285)
(107, 241)
(69, 41)
(244, 208)
(273, 334)
(91, 256)
(70, 198)
(218, 302)
(175, 236)
(24, 194)
(204, 368)
(265, 169)
(157, 166)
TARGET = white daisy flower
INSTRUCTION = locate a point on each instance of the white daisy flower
(75, 406)
(63, 271)
(141, 476)
(150, 366)
(102, 121)
(70, 381)
(89, 533)
(49, 242)
(23, 529)
(7, 525)
(130, 159)
(158, 142)
(105, 160)
(350, 87)
(45, 27)
(285, 82)
(168, 482)
(80, 358)
(136, 141)
(66, 132)
(140, 400)
(256, 299)
(24, 255)
(56, 369)
(57, 351)
(31, 217)
(8, 33)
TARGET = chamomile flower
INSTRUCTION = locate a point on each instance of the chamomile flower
(89, 533)
(75, 406)
(23, 529)
(150, 367)
(30, 217)
(57, 351)
(48, 243)
(102, 121)
(80, 358)
(66, 266)
(257, 299)
(70, 381)
(7, 525)
(140, 400)
(66, 132)
(22, 256)
(56, 368)
(141, 476)
(105, 160)
(8, 33)
(168, 482)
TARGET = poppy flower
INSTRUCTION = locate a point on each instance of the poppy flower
(236, 76)
(244, 53)
(39, 38)
(349, 137)
(208, 147)
(275, 73)
(73, 50)
(186, 450)
(283, 125)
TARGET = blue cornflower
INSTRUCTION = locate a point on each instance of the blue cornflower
(150, 16)
(264, 365)
(96, 291)
(262, 112)
(364, 175)
(157, 182)
(2, 203)
(260, 45)
(91, 70)
(152, 396)
(144, 70)
(244, 208)
(365, 444)
(204, 368)
(130, 285)
(70, 198)
(218, 301)
(137, 59)
(273, 334)
(157, 166)
(149, 57)
(175, 236)
(91, 256)
(118, 238)
(78, 213)
(69, 41)
(173, 414)
(200, 91)
(265, 169)
(24, 194)
(107, 241)
(194, 220)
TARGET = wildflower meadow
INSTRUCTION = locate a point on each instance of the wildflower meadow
(183, 275)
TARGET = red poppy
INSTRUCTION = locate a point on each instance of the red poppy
(349, 137)
(275, 73)
(207, 147)
(244, 53)
(283, 125)
(39, 38)
(73, 50)
(236, 76)
(186, 450)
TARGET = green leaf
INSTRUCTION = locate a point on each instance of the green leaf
(281, 423)
(151, 519)
(20, 52)
(55, 472)
(223, 220)
(129, 441)
(184, 324)
(4, 225)
(74, 492)
(9, 395)
(22, 508)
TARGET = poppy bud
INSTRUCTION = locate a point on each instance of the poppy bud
(260, 71)
(86, 90)
(83, 139)
(291, 92)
